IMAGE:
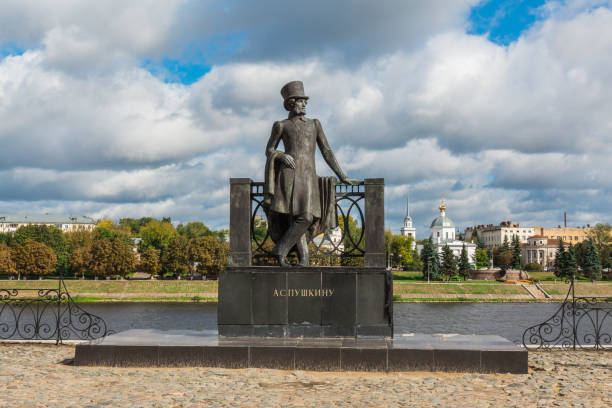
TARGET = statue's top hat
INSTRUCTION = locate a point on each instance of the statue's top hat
(293, 89)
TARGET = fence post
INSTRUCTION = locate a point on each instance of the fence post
(374, 222)
(240, 222)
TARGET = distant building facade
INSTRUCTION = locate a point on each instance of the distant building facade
(66, 223)
(408, 230)
(541, 250)
(567, 234)
(442, 232)
(494, 235)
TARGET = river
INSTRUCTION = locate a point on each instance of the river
(505, 319)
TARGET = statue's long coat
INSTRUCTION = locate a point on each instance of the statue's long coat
(298, 191)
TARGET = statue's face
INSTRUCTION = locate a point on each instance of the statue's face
(299, 106)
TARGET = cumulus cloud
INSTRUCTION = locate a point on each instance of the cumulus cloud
(506, 132)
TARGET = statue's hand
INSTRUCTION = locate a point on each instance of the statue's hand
(352, 182)
(287, 161)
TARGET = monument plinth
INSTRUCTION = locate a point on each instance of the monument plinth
(268, 301)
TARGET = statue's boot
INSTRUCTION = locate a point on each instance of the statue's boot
(298, 228)
(303, 253)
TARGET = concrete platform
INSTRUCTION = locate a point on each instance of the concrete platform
(404, 352)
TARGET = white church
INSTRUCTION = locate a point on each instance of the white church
(442, 232)
(408, 230)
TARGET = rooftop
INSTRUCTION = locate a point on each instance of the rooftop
(45, 219)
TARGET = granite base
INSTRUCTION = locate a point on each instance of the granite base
(406, 352)
(269, 301)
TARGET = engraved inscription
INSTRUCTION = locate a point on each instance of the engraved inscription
(304, 292)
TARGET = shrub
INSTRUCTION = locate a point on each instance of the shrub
(534, 267)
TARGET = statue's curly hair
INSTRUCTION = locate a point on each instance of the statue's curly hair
(288, 104)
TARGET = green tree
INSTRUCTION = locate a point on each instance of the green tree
(156, 234)
(516, 252)
(434, 268)
(534, 267)
(481, 259)
(426, 256)
(592, 265)
(150, 262)
(7, 238)
(477, 239)
(430, 260)
(208, 255)
(605, 255)
(464, 264)
(50, 236)
(260, 229)
(123, 260)
(571, 265)
(135, 224)
(175, 260)
(580, 250)
(80, 259)
(106, 228)
(351, 238)
(449, 263)
(401, 250)
(560, 263)
(34, 258)
(502, 258)
(194, 229)
(416, 264)
(505, 245)
(7, 263)
(600, 235)
(79, 238)
(101, 252)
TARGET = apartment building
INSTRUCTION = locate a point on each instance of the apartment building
(494, 235)
(66, 223)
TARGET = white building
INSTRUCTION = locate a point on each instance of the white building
(331, 240)
(442, 232)
(494, 235)
(541, 250)
(66, 223)
(408, 230)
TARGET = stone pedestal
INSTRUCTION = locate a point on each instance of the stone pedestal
(268, 301)
(407, 352)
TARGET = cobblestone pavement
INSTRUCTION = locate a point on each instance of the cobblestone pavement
(36, 375)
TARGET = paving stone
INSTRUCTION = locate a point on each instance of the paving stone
(586, 381)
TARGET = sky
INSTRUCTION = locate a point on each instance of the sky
(147, 108)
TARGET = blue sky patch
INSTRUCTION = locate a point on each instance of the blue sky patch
(7, 49)
(504, 20)
(176, 71)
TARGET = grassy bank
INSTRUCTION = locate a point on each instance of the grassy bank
(408, 290)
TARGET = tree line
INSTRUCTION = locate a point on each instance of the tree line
(116, 250)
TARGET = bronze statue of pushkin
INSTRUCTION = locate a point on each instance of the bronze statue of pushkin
(299, 204)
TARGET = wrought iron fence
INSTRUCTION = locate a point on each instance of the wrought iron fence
(579, 323)
(46, 314)
(344, 245)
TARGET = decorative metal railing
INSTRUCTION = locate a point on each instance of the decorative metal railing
(46, 314)
(579, 323)
(345, 243)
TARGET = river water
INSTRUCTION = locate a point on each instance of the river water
(505, 319)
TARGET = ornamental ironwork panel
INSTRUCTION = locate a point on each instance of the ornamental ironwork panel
(343, 245)
(579, 323)
(47, 314)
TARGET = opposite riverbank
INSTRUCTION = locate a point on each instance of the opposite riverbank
(404, 290)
